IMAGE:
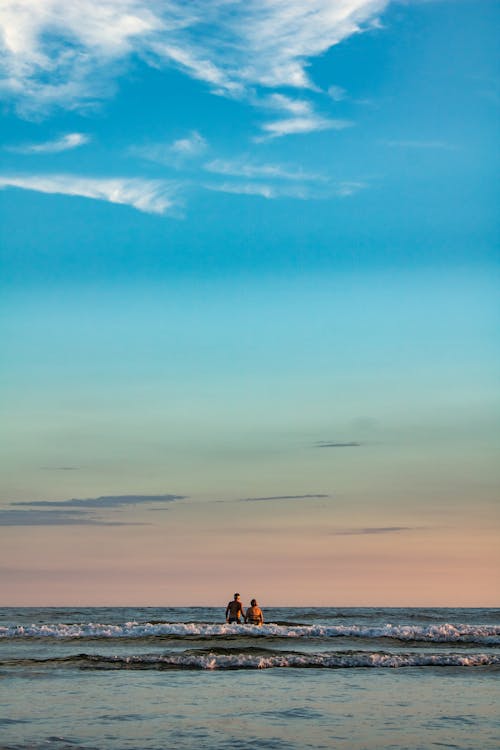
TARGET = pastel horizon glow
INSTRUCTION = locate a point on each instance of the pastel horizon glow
(249, 303)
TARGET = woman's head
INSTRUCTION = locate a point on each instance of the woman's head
(253, 603)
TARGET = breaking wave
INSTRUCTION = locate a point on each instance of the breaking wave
(212, 660)
(439, 633)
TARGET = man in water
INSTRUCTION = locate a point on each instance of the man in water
(234, 610)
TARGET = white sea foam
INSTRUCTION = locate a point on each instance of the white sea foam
(443, 633)
(297, 661)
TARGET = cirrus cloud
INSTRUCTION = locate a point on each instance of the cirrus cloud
(174, 154)
(69, 53)
(149, 196)
(63, 143)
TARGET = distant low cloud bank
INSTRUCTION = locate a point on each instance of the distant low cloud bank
(106, 501)
(36, 517)
(63, 513)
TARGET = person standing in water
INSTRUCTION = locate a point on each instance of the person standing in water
(234, 610)
(254, 614)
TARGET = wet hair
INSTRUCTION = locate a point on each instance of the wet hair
(253, 602)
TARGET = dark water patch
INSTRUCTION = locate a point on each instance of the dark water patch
(49, 743)
(270, 743)
(458, 720)
(300, 712)
(122, 717)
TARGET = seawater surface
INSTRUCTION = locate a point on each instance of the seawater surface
(159, 678)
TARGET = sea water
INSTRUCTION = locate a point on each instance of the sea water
(160, 678)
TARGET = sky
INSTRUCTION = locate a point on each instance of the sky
(249, 302)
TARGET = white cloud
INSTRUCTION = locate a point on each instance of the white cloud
(150, 196)
(64, 143)
(301, 191)
(300, 118)
(193, 145)
(346, 189)
(337, 93)
(262, 189)
(60, 52)
(298, 125)
(277, 181)
(245, 168)
(248, 188)
(297, 107)
(173, 154)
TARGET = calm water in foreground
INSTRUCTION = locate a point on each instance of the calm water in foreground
(160, 678)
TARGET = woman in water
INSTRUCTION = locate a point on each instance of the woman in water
(254, 614)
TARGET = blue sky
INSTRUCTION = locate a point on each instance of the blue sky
(249, 250)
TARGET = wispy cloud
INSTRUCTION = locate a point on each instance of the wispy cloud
(78, 511)
(336, 444)
(289, 104)
(299, 125)
(281, 497)
(273, 180)
(337, 93)
(105, 501)
(266, 180)
(192, 145)
(265, 190)
(347, 188)
(245, 188)
(247, 168)
(300, 118)
(59, 468)
(371, 530)
(173, 154)
(37, 517)
(67, 53)
(64, 143)
(150, 196)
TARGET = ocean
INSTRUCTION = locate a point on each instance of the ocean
(161, 678)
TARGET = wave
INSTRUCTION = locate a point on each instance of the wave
(439, 633)
(213, 660)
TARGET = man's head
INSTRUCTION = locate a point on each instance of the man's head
(236, 596)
